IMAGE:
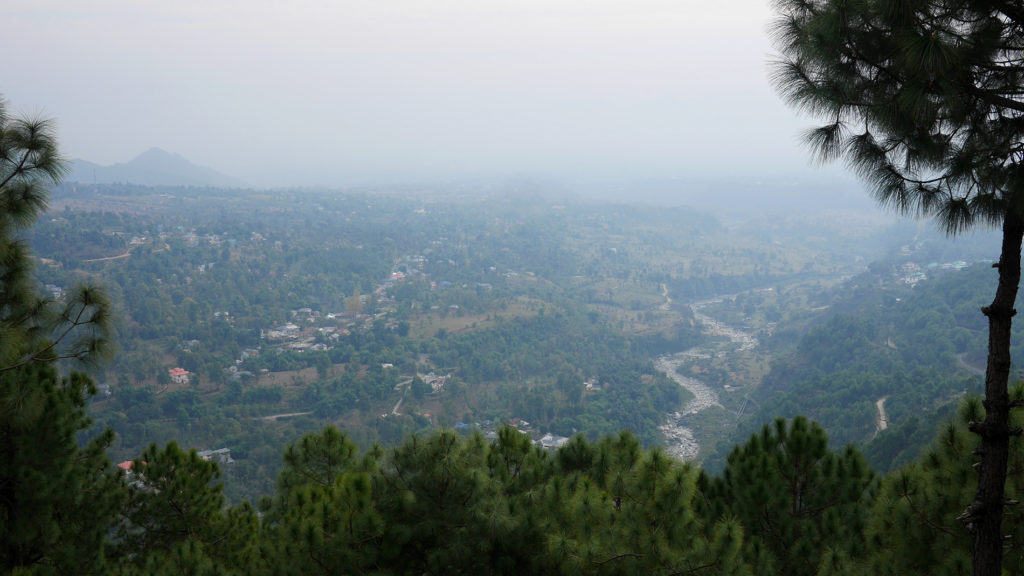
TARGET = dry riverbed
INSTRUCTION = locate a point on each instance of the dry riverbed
(679, 438)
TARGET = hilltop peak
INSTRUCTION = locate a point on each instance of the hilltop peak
(154, 167)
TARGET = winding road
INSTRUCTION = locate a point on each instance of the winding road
(962, 363)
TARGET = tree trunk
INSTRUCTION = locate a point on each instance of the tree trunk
(984, 517)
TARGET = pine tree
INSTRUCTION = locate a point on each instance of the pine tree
(925, 100)
(32, 327)
(57, 499)
(317, 459)
(913, 527)
(632, 512)
(442, 511)
(515, 462)
(326, 529)
(794, 496)
(174, 501)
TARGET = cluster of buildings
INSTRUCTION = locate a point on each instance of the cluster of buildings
(435, 382)
(548, 441)
(911, 273)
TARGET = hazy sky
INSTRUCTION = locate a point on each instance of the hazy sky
(336, 92)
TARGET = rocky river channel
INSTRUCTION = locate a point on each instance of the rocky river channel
(679, 437)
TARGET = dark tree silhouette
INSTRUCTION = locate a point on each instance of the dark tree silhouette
(925, 102)
(57, 498)
(33, 328)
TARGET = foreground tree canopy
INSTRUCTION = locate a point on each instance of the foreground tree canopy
(925, 101)
(449, 503)
(52, 489)
(33, 328)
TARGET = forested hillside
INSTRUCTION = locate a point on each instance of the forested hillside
(882, 347)
(406, 404)
(388, 315)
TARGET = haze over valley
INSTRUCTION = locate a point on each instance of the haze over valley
(392, 312)
(606, 287)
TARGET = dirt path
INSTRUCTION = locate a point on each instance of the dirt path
(399, 405)
(881, 420)
(274, 417)
(964, 365)
(108, 258)
(126, 254)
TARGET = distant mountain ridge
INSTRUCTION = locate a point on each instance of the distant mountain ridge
(154, 167)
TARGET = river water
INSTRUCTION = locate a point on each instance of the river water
(679, 438)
